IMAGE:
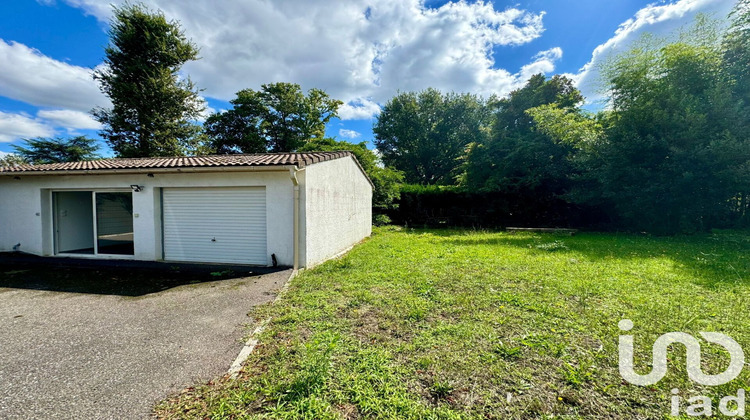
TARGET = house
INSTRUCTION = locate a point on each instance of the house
(290, 209)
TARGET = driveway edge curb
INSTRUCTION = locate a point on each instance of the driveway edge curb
(252, 341)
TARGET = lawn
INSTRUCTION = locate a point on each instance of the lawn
(464, 324)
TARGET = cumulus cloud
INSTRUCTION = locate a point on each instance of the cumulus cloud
(349, 134)
(69, 119)
(14, 126)
(658, 19)
(544, 62)
(46, 123)
(358, 51)
(28, 75)
(360, 109)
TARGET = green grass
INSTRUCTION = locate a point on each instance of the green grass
(449, 324)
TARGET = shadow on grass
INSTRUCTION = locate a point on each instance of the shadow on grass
(107, 277)
(712, 260)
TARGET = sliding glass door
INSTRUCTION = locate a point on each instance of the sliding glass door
(114, 223)
(94, 222)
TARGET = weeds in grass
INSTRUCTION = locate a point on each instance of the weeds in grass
(421, 324)
(440, 390)
(552, 246)
(507, 352)
(223, 273)
(577, 374)
(313, 370)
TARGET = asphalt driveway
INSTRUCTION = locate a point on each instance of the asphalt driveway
(83, 355)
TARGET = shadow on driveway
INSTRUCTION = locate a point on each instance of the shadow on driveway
(112, 277)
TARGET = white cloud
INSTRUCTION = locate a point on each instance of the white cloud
(17, 126)
(69, 119)
(360, 109)
(29, 76)
(349, 134)
(656, 19)
(359, 51)
(544, 62)
(47, 123)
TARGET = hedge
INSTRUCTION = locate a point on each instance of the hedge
(436, 206)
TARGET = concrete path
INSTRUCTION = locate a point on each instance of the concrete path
(73, 355)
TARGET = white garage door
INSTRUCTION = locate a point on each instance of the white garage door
(223, 225)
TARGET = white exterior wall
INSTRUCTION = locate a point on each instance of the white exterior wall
(335, 213)
(338, 209)
(26, 207)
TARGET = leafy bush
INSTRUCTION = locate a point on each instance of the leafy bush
(443, 206)
(380, 219)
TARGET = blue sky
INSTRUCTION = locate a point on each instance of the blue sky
(362, 52)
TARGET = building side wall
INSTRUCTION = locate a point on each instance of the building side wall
(338, 209)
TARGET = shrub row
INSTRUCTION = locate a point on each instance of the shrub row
(436, 206)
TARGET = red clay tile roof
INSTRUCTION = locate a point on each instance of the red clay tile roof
(216, 161)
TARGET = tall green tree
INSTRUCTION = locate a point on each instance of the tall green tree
(677, 149)
(736, 55)
(518, 158)
(582, 134)
(386, 181)
(279, 117)
(56, 150)
(425, 134)
(736, 49)
(153, 109)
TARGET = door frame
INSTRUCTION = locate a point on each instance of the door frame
(55, 223)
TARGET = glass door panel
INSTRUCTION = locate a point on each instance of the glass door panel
(114, 223)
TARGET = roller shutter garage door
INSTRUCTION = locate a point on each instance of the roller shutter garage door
(222, 225)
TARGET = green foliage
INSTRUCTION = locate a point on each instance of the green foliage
(43, 150)
(279, 117)
(153, 109)
(12, 159)
(445, 206)
(422, 189)
(677, 143)
(381, 220)
(424, 134)
(507, 352)
(386, 181)
(569, 126)
(671, 155)
(736, 49)
(577, 375)
(441, 390)
(518, 158)
(364, 156)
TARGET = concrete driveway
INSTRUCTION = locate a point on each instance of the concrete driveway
(97, 356)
